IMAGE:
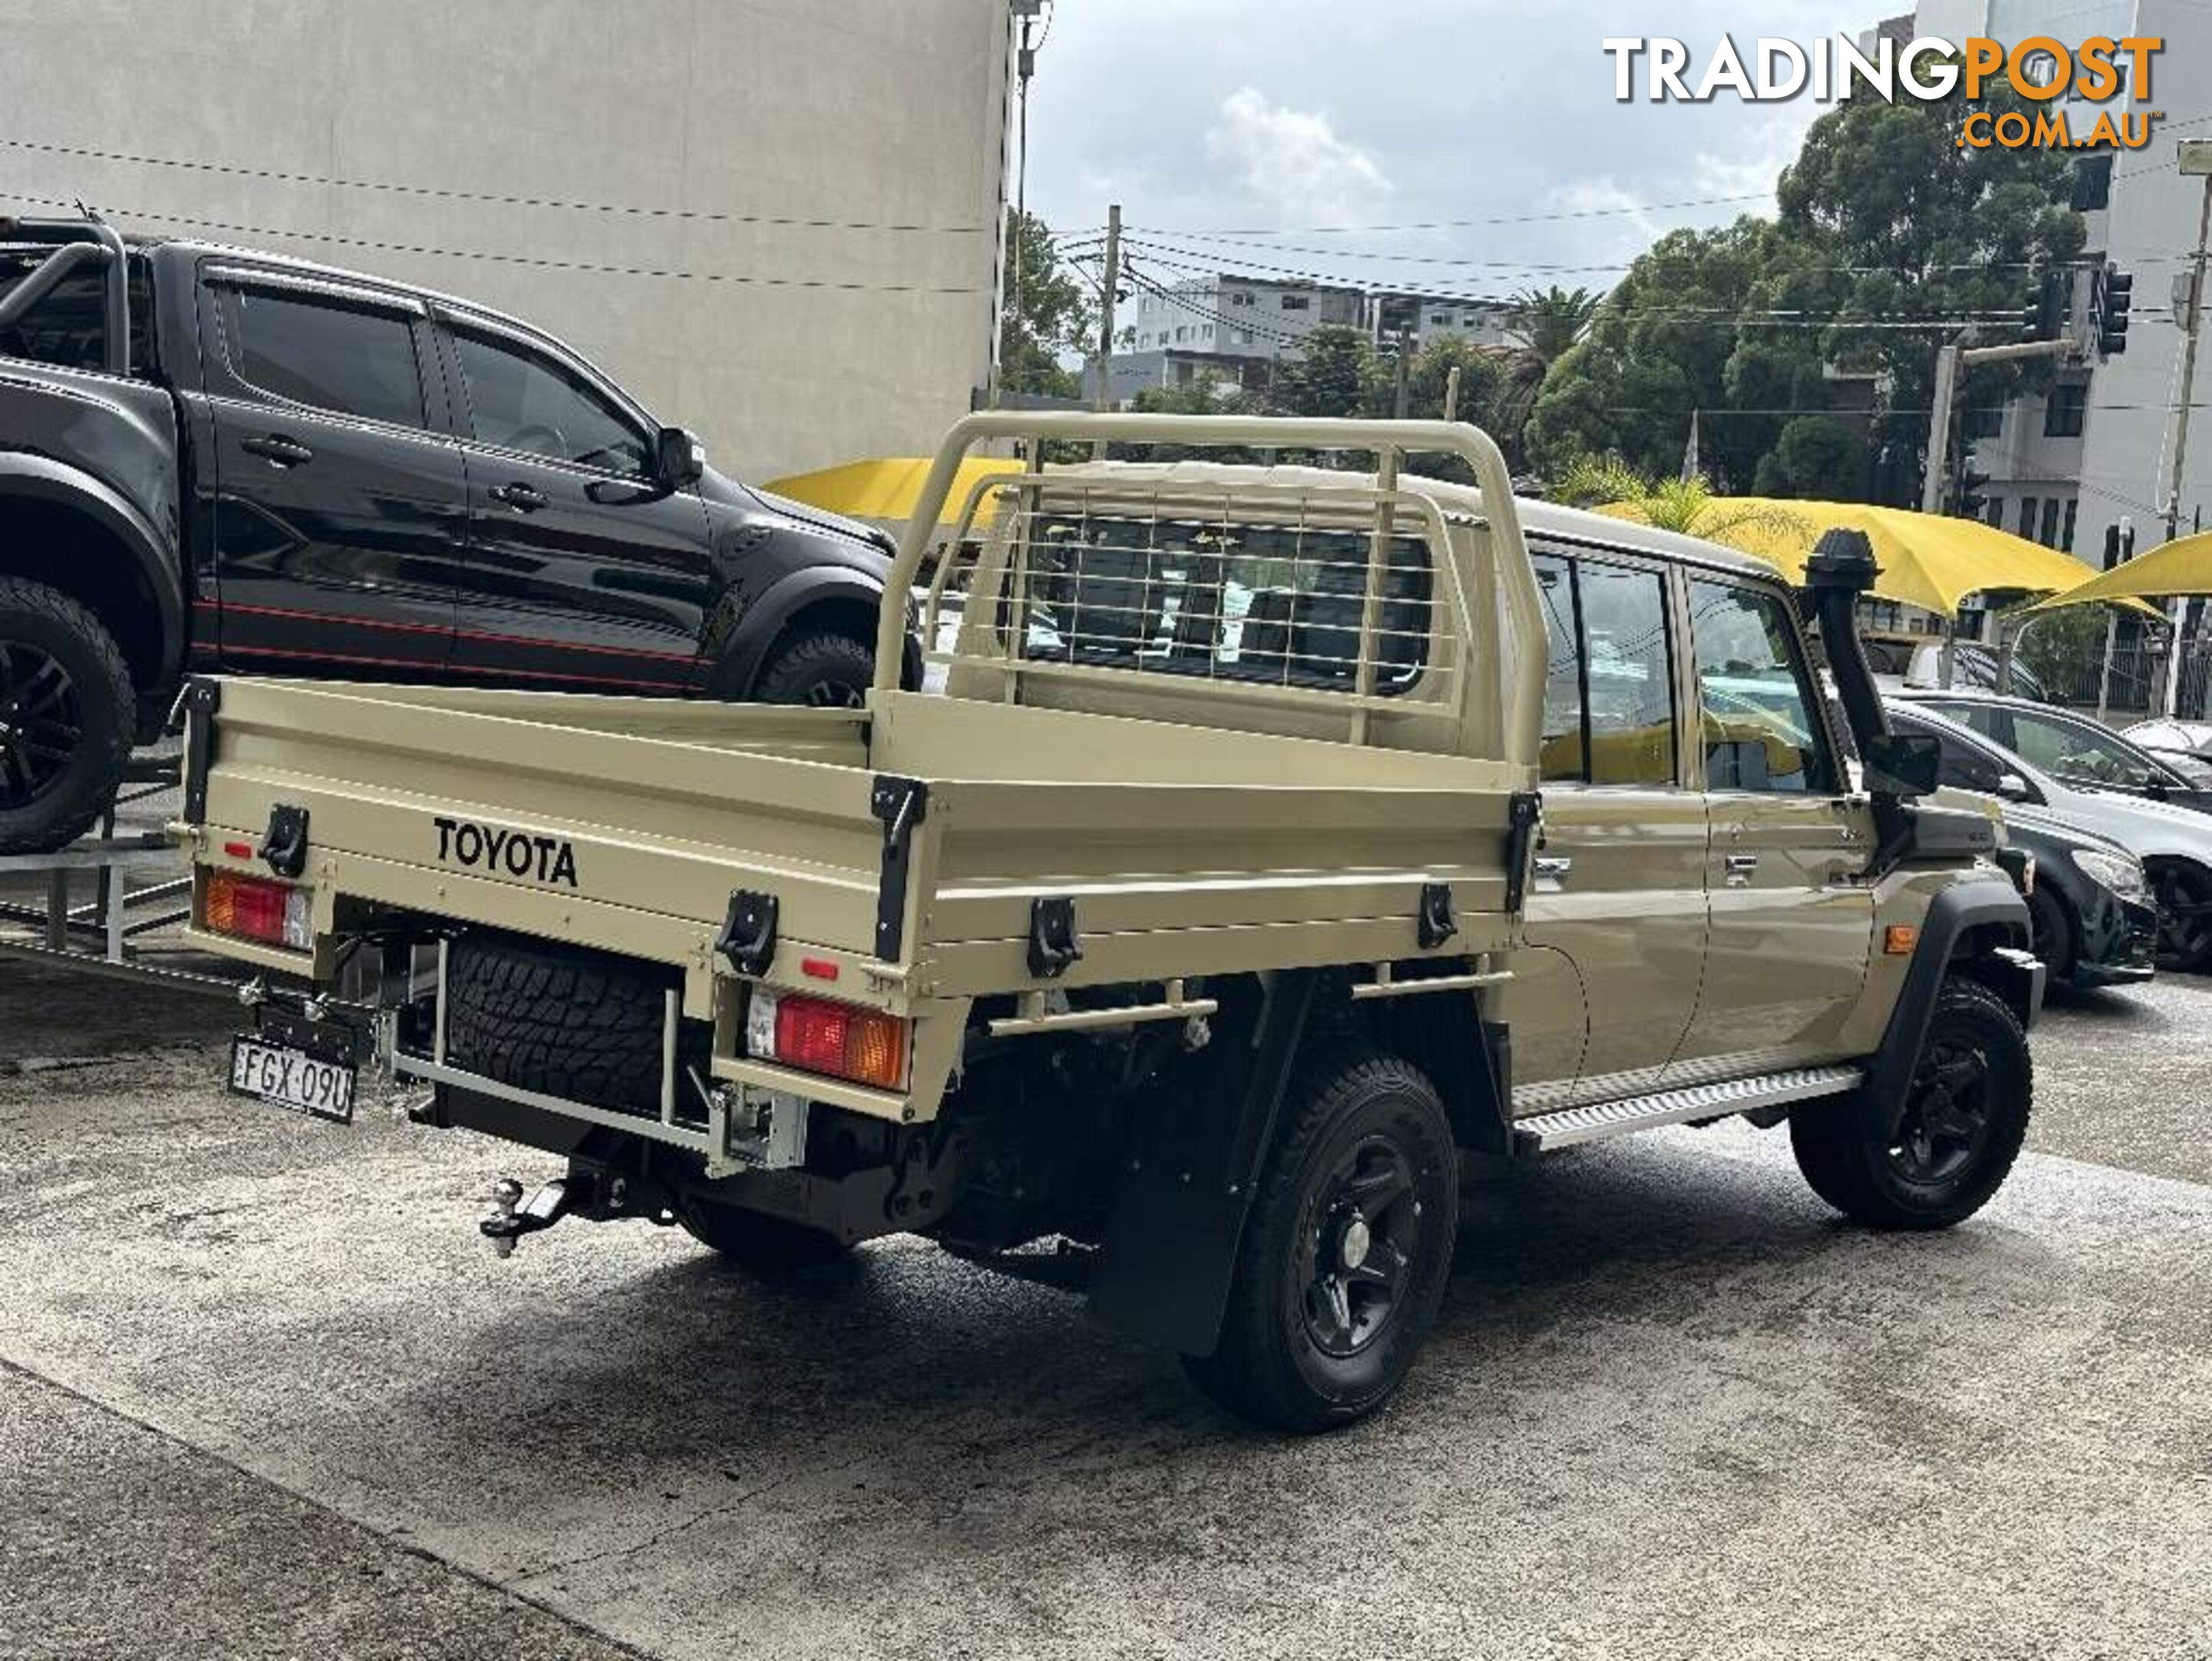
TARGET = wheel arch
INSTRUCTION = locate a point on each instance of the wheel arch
(1977, 931)
(65, 528)
(834, 600)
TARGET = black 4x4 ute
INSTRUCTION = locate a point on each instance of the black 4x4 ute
(217, 459)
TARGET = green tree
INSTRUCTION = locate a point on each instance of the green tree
(1334, 372)
(1047, 313)
(1891, 237)
(1817, 458)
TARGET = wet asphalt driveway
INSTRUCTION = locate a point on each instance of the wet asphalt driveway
(262, 1392)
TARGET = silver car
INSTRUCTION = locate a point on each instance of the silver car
(2174, 843)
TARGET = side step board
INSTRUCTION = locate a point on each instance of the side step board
(1543, 1132)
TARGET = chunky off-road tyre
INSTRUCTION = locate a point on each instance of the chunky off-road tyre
(1965, 1115)
(67, 718)
(557, 1020)
(763, 1245)
(2182, 893)
(1346, 1250)
(2054, 935)
(821, 672)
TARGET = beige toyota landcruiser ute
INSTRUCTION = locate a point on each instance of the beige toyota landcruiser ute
(1267, 839)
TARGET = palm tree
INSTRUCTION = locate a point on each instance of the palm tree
(1546, 321)
(1687, 507)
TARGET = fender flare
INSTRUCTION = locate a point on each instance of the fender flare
(30, 477)
(739, 664)
(2008, 969)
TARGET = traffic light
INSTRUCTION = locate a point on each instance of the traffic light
(1967, 501)
(2113, 299)
(2044, 318)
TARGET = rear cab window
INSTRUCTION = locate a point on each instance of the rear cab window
(68, 329)
(1280, 605)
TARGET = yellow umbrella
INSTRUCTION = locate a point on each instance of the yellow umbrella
(886, 488)
(2181, 567)
(1926, 560)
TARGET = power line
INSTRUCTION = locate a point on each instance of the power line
(1461, 224)
(442, 193)
(739, 278)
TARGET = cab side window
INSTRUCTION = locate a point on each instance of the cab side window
(1609, 689)
(1755, 694)
(520, 401)
(346, 359)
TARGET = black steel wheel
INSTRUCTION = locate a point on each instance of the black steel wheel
(1346, 1250)
(820, 672)
(2183, 894)
(1936, 1161)
(67, 718)
(1357, 1244)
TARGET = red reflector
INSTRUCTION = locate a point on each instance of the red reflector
(239, 850)
(820, 968)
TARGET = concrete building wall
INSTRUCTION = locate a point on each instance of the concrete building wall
(696, 143)
(2149, 229)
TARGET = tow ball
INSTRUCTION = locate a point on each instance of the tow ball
(512, 1219)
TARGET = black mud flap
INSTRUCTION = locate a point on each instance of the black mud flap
(1177, 1219)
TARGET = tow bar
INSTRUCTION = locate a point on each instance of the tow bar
(513, 1219)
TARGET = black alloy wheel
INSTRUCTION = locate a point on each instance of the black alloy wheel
(41, 722)
(2183, 894)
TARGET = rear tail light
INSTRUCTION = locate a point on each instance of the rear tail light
(273, 913)
(816, 1035)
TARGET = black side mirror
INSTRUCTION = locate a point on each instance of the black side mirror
(678, 459)
(1903, 763)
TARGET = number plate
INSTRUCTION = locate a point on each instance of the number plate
(293, 1079)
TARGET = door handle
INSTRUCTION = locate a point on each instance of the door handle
(1740, 868)
(278, 450)
(521, 498)
(1552, 868)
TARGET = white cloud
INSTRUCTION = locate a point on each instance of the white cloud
(1294, 162)
(1762, 154)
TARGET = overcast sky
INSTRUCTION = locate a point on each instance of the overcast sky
(1234, 115)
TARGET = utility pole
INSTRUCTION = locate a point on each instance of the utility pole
(1107, 292)
(2196, 162)
(1451, 395)
(1405, 372)
(1952, 359)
